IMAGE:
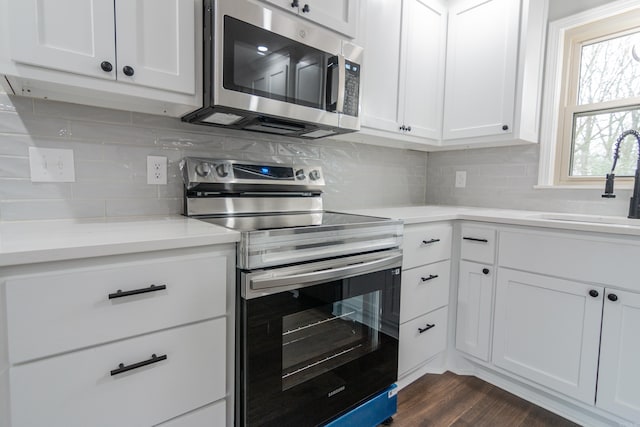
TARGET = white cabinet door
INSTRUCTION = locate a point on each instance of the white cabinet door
(548, 331)
(75, 36)
(481, 68)
(380, 36)
(424, 32)
(403, 71)
(155, 39)
(475, 299)
(619, 375)
(337, 15)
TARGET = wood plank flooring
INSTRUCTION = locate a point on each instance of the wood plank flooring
(453, 400)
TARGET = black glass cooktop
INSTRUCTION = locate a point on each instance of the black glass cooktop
(246, 223)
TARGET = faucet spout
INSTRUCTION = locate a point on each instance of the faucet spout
(634, 203)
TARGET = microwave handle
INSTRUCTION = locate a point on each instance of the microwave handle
(342, 75)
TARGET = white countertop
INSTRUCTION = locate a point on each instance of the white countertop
(41, 241)
(555, 220)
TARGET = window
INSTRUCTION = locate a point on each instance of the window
(595, 84)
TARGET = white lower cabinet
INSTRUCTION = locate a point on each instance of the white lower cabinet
(125, 340)
(619, 373)
(424, 294)
(83, 389)
(475, 309)
(548, 330)
(421, 339)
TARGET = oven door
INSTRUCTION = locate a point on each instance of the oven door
(319, 343)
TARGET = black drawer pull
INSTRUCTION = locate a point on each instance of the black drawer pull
(123, 368)
(428, 242)
(120, 293)
(426, 328)
(431, 277)
(475, 239)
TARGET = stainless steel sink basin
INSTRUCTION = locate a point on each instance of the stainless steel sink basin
(594, 219)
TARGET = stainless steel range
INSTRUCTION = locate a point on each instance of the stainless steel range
(318, 292)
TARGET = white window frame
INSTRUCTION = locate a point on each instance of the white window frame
(552, 125)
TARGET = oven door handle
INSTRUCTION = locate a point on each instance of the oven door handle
(276, 284)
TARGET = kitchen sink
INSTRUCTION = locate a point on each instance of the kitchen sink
(595, 219)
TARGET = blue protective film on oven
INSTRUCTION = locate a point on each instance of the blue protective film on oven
(371, 413)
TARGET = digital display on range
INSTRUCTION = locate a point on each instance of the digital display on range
(263, 172)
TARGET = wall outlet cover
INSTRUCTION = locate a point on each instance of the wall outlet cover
(157, 170)
(51, 165)
(461, 179)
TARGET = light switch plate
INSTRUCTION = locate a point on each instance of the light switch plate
(156, 170)
(461, 179)
(51, 165)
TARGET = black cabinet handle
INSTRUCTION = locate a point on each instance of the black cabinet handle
(120, 293)
(408, 128)
(305, 9)
(123, 368)
(612, 297)
(428, 242)
(485, 271)
(106, 66)
(594, 293)
(402, 127)
(426, 328)
(127, 70)
(505, 127)
(431, 277)
(295, 3)
(475, 239)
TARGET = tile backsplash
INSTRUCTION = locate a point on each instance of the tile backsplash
(110, 149)
(505, 178)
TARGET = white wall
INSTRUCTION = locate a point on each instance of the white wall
(505, 177)
(110, 149)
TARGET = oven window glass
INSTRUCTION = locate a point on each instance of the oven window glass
(320, 339)
(262, 63)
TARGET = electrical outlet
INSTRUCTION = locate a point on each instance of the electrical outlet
(461, 179)
(156, 170)
(51, 165)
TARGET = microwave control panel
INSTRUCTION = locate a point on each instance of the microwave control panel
(351, 88)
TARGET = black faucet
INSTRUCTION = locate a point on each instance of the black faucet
(634, 203)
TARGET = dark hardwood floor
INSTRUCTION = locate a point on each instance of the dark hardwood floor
(453, 400)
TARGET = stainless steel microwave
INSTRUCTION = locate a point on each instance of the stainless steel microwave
(266, 71)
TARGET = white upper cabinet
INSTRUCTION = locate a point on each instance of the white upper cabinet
(337, 15)
(422, 60)
(140, 55)
(481, 68)
(494, 71)
(403, 70)
(154, 39)
(69, 35)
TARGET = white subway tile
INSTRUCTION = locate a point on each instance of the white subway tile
(50, 209)
(80, 112)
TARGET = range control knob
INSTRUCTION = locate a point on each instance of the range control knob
(300, 174)
(203, 169)
(222, 170)
(314, 175)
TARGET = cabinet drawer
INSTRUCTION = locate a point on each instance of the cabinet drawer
(424, 289)
(78, 390)
(478, 243)
(53, 313)
(426, 244)
(417, 347)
